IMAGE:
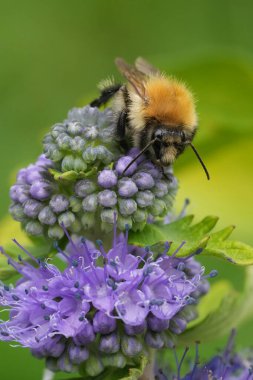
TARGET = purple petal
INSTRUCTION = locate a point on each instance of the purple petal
(123, 162)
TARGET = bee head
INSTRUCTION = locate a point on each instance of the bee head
(166, 144)
(169, 143)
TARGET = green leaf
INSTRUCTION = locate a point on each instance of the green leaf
(71, 175)
(195, 236)
(150, 235)
(218, 312)
(233, 251)
(212, 301)
(221, 310)
(222, 234)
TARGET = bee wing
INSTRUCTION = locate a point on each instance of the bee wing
(145, 67)
(135, 77)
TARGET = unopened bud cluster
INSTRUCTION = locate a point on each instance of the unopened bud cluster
(84, 140)
(42, 204)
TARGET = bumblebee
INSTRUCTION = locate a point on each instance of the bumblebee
(153, 112)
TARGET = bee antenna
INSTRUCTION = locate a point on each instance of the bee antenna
(139, 154)
(200, 160)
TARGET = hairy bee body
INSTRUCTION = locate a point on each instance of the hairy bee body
(153, 112)
(169, 106)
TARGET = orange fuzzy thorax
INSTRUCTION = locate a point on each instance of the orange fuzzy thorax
(170, 102)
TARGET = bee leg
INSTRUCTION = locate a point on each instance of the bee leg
(105, 96)
(121, 129)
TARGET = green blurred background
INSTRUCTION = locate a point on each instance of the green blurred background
(53, 53)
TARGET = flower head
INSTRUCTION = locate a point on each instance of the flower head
(42, 203)
(115, 303)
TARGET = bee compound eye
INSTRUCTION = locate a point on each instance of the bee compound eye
(158, 134)
(182, 135)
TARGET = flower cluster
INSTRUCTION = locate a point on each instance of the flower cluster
(42, 204)
(104, 308)
(84, 140)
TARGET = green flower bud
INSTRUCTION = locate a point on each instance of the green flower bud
(94, 366)
(75, 203)
(63, 141)
(79, 165)
(131, 346)
(168, 339)
(77, 144)
(56, 155)
(17, 212)
(74, 128)
(34, 228)
(138, 226)
(114, 360)
(107, 215)
(90, 203)
(88, 220)
(158, 207)
(104, 154)
(90, 155)
(145, 198)
(55, 232)
(64, 364)
(57, 129)
(127, 206)
(122, 222)
(154, 340)
(140, 216)
(76, 226)
(67, 163)
(67, 218)
(84, 187)
(46, 216)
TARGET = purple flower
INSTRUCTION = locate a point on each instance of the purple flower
(128, 303)
(41, 189)
(107, 178)
(127, 188)
(109, 343)
(77, 354)
(103, 324)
